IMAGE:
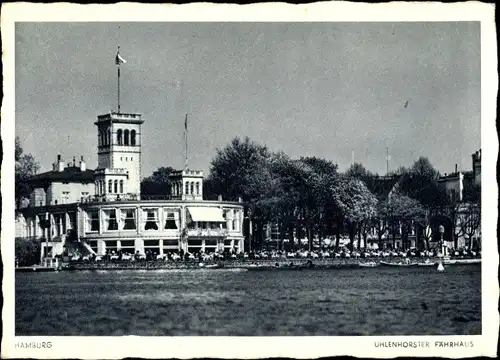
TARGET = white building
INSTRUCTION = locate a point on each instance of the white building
(104, 211)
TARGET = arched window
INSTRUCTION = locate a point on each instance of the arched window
(192, 188)
(110, 186)
(119, 137)
(116, 187)
(187, 188)
(121, 186)
(125, 140)
(132, 138)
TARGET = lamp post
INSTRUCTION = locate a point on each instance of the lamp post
(441, 231)
(250, 230)
(440, 265)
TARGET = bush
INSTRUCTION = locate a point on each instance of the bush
(27, 251)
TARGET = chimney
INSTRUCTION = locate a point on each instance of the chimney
(59, 164)
(240, 199)
(456, 168)
(83, 166)
(219, 198)
(74, 161)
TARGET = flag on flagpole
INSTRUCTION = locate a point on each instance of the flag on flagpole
(119, 60)
(186, 123)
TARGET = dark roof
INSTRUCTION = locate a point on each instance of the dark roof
(381, 186)
(69, 174)
(468, 174)
(448, 176)
(455, 175)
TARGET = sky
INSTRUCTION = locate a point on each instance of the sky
(333, 90)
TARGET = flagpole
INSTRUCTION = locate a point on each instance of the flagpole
(186, 140)
(387, 158)
(118, 64)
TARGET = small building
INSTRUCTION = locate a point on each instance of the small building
(456, 182)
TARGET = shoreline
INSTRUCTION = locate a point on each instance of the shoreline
(267, 264)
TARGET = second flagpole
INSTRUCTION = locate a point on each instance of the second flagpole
(186, 140)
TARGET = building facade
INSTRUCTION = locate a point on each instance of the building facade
(455, 183)
(103, 211)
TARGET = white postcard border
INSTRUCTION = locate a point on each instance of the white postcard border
(254, 347)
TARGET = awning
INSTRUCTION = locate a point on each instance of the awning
(209, 214)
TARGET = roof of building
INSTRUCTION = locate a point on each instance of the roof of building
(383, 185)
(454, 176)
(451, 176)
(69, 174)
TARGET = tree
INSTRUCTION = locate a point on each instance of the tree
(242, 169)
(295, 191)
(404, 212)
(27, 251)
(358, 171)
(420, 183)
(158, 184)
(424, 168)
(425, 228)
(324, 212)
(25, 168)
(381, 220)
(356, 203)
(399, 171)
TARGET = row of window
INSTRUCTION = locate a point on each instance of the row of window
(65, 197)
(114, 187)
(123, 137)
(190, 187)
(127, 220)
(169, 245)
(166, 242)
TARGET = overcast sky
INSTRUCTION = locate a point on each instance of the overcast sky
(308, 89)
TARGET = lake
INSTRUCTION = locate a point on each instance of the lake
(377, 301)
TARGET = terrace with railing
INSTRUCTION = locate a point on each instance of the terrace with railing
(207, 232)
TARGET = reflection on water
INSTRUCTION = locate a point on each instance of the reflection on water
(381, 301)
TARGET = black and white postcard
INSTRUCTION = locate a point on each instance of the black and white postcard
(268, 180)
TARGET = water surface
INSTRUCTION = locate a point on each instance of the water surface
(378, 301)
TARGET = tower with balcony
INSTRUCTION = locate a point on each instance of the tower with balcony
(118, 171)
(187, 185)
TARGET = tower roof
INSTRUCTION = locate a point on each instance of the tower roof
(123, 118)
(186, 173)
